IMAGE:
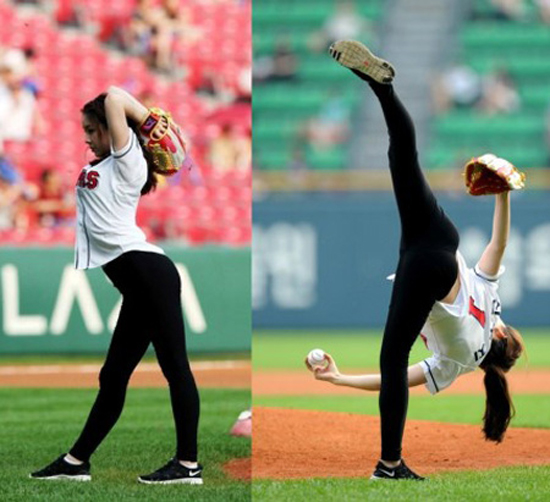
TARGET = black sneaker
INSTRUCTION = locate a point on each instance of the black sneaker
(357, 57)
(172, 473)
(399, 472)
(60, 469)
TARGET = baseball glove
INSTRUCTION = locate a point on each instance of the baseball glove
(489, 174)
(163, 138)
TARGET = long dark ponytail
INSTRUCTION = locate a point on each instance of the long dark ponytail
(95, 109)
(499, 409)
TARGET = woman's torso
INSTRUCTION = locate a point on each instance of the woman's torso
(107, 196)
(460, 334)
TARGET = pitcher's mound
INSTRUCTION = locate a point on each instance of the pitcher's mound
(239, 468)
(304, 444)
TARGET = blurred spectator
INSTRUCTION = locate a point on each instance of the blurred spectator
(30, 78)
(230, 150)
(344, 23)
(19, 116)
(462, 87)
(544, 10)
(168, 23)
(499, 93)
(509, 10)
(244, 84)
(330, 126)
(504, 10)
(53, 205)
(139, 33)
(11, 196)
(153, 30)
(459, 86)
(279, 67)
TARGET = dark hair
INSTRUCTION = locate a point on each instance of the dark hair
(95, 109)
(499, 409)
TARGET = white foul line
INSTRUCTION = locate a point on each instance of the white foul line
(94, 368)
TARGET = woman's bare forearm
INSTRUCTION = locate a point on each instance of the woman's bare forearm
(501, 221)
(491, 258)
(364, 382)
(372, 382)
(133, 109)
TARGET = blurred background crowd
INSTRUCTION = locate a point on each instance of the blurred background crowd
(475, 75)
(191, 57)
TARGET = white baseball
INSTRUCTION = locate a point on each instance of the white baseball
(316, 357)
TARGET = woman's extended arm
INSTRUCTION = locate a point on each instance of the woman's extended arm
(491, 259)
(120, 105)
(365, 382)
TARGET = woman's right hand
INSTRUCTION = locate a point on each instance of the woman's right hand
(329, 373)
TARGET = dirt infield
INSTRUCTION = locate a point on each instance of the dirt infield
(226, 374)
(286, 442)
(304, 444)
(301, 382)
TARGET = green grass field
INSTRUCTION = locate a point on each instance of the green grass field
(357, 351)
(39, 424)
(360, 349)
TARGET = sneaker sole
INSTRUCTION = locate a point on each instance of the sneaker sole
(80, 477)
(355, 56)
(377, 478)
(182, 481)
(373, 477)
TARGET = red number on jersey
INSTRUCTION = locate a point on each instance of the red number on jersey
(88, 179)
(424, 339)
(477, 312)
(92, 179)
(81, 179)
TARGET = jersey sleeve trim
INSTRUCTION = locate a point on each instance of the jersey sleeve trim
(431, 384)
(121, 153)
(488, 277)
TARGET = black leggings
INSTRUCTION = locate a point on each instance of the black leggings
(426, 271)
(151, 312)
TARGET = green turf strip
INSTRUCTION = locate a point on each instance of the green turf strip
(531, 410)
(361, 349)
(39, 424)
(505, 484)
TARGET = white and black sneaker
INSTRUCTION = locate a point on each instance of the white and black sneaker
(61, 469)
(173, 473)
(355, 56)
(399, 472)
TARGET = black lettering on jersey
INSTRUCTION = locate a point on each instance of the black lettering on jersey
(88, 179)
(478, 354)
(496, 307)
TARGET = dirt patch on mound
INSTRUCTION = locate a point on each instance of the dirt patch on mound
(239, 468)
(305, 444)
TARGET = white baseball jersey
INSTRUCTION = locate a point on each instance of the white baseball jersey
(460, 334)
(107, 195)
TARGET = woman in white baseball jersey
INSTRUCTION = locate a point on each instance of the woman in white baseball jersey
(456, 309)
(108, 191)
